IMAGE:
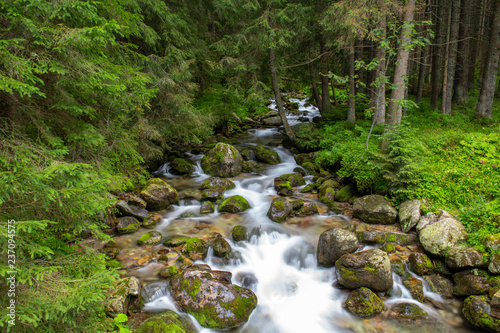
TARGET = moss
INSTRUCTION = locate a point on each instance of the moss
(114, 264)
(191, 286)
(175, 241)
(196, 248)
(240, 233)
(144, 237)
(388, 247)
(234, 204)
(391, 238)
(168, 322)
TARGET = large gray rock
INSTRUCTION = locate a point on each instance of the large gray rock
(471, 282)
(211, 298)
(439, 285)
(130, 210)
(374, 208)
(124, 297)
(463, 257)
(370, 268)
(440, 237)
(127, 225)
(494, 266)
(279, 210)
(222, 161)
(266, 155)
(159, 194)
(409, 214)
(217, 182)
(364, 303)
(333, 244)
(273, 121)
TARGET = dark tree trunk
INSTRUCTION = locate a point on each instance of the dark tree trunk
(436, 69)
(379, 82)
(485, 103)
(358, 53)
(475, 24)
(325, 90)
(423, 69)
(332, 83)
(351, 109)
(487, 17)
(462, 71)
(452, 57)
(314, 79)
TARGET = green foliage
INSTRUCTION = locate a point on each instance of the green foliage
(119, 321)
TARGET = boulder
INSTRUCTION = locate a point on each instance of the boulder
(284, 184)
(333, 244)
(182, 166)
(126, 209)
(439, 285)
(326, 195)
(492, 242)
(425, 221)
(370, 268)
(168, 321)
(420, 264)
(239, 233)
(196, 248)
(440, 237)
(494, 266)
(217, 182)
(127, 225)
(374, 208)
(464, 257)
(407, 311)
(250, 121)
(416, 288)
(207, 207)
(159, 194)
(234, 204)
(124, 297)
(222, 161)
(344, 194)
(363, 303)
(211, 298)
(175, 240)
(250, 166)
(477, 310)
(471, 282)
(273, 121)
(220, 246)
(307, 209)
(213, 194)
(266, 155)
(150, 238)
(409, 214)
(279, 210)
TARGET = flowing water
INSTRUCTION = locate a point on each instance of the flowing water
(279, 262)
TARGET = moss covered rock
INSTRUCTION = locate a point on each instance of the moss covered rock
(333, 244)
(150, 221)
(477, 310)
(151, 238)
(127, 225)
(279, 210)
(215, 194)
(308, 188)
(222, 161)
(326, 194)
(439, 285)
(370, 268)
(374, 209)
(266, 155)
(407, 311)
(416, 288)
(250, 166)
(471, 282)
(494, 266)
(464, 257)
(344, 194)
(124, 297)
(196, 248)
(420, 264)
(239, 233)
(234, 204)
(364, 303)
(175, 240)
(159, 194)
(307, 209)
(220, 246)
(126, 209)
(409, 214)
(207, 207)
(182, 166)
(284, 184)
(217, 182)
(166, 322)
(211, 298)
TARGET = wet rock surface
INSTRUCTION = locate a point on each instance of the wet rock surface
(374, 209)
(333, 244)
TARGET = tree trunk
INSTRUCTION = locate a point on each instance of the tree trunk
(277, 95)
(487, 18)
(351, 109)
(358, 53)
(423, 69)
(462, 71)
(314, 79)
(332, 83)
(379, 83)
(394, 113)
(436, 55)
(325, 89)
(475, 24)
(485, 103)
(452, 57)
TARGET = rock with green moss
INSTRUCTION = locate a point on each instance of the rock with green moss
(239, 233)
(284, 184)
(124, 297)
(439, 285)
(247, 153)
(196, 248)
(250, 166)
(234, 204)
(409, 214)
(207, 207)
(326, 194)
(370, 268)
(407, 311)
(416, 287)
(182, 166)
(126, 209)
(363, 303)
(213, 194)
(471, 282)
(166, 322)
(398, 266)
(492, 242)
(222, 161)
(464, 257)
(344, 194)
(217, 182)
(266, 155)
(477, 310)
(388, 247)
(441, 236)
(494, 266)
(420, 264)
(211, 298)
(273, 121)
(333, 244)
(279, 210)
(371, 237)
(127, 225)
(221, 247)
(311, 168)
(402, 238)
(169, 271)
(308, 188)
(175, 240)
(149, 222)
(159, 194)
(374, 209)
(150, 238)
(307, 209)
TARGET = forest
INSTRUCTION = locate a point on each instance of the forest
(96, 95)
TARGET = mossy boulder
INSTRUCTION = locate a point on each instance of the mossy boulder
(374, 209)
(492, 242)
(471, 282)
(169, 271)
(211, 298)
(308, 188)
(279, 210)
(250, 166)
(439, 285)
(370, 237)
(326, 194)
(273, 121)
(363, 303)
(464, 257)
(478, 311)
(222, 161)
(150, 238)
(175, 240)
(494, 266)
(150, 221)
(182, 166)
(126, 209)
(221, 247)
(284, 184)
(217, 182)
(407, 312)
(124, 297)
(307, 209)
(159, 194)
(239, 233)
(409, 214)
(416, 288)
(215, 194)
(266, 155)
(166, 322)
(195, 248)
(234, 204)
(247, 153)
(441, 236)
(333, 244)
(344, 194)
(420, 264)
(207, 207)
(370, 268)
(127, 225)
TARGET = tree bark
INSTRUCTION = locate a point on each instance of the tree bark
(394, 112)
(332, 83)
(436, 55)
(379, 83)
(485, 103)
(487, 17)
(358, 53)
(452, 57)
(325, 89)
(461, 84)
(314, 78)
(351, 108)
(475, 24)
(277, 95)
